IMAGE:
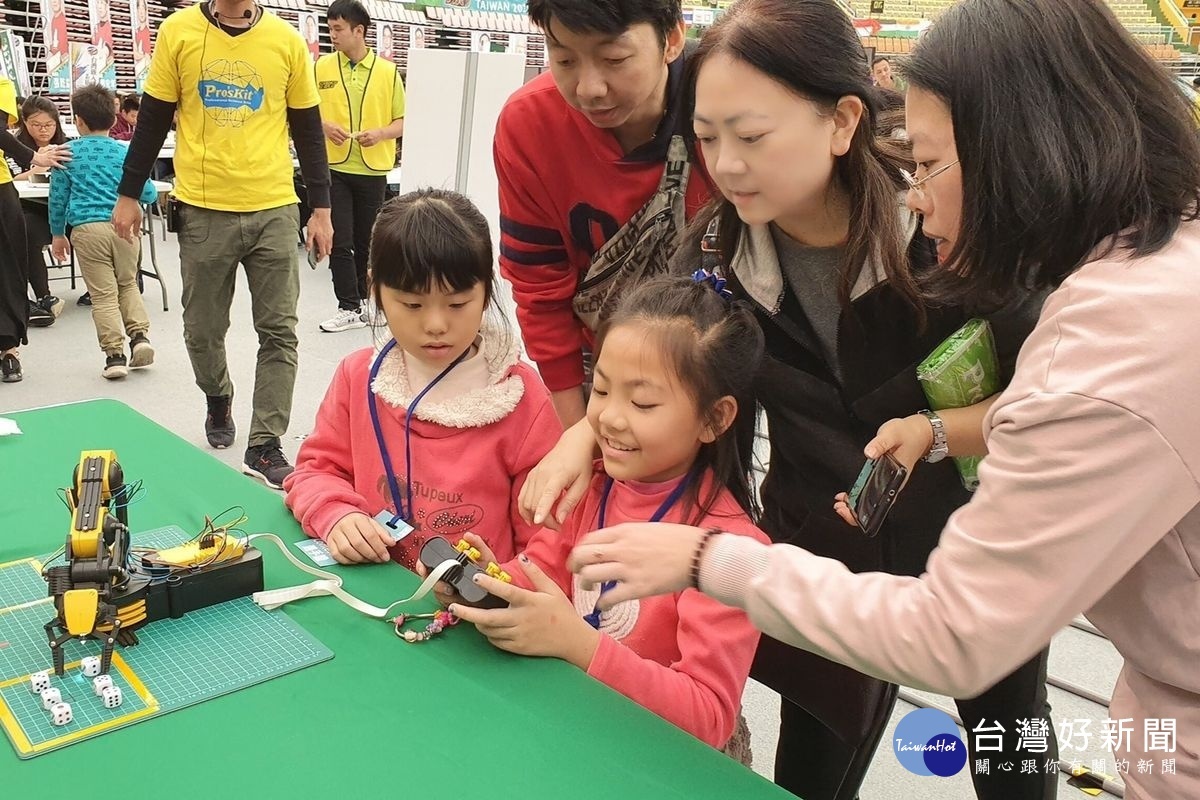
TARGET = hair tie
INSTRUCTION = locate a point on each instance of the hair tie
(715, 281)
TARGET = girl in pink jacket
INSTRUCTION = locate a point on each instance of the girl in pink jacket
(434, 433)
(672, 365)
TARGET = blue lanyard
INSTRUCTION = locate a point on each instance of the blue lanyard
(373, 404)
(593, 618)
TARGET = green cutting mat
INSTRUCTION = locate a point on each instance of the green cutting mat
(178, 662)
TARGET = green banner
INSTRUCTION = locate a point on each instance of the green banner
(496, 6)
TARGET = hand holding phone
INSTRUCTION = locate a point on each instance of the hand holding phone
(875, 491)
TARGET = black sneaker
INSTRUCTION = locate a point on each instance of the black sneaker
(115, 366)
(39, 317)
(85, 299)
(10, 368)
(52, 304)
(218, 426)
(141, 352)
(267, 463)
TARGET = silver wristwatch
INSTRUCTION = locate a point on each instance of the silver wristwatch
(940, 448)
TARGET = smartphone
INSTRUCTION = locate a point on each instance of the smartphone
(875, 491)
(312, 256)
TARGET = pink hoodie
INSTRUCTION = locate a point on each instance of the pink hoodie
(474, 437)
(1090, 502)
(684, 656)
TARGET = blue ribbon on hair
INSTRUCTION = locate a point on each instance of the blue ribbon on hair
(715, 281)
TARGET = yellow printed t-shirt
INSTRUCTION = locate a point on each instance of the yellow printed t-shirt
(354, 82)
(8, 111)
(233, 92)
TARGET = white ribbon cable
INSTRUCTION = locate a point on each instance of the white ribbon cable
(330, 584)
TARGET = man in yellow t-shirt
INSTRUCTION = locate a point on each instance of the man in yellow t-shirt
(240, 78)
(362, 112)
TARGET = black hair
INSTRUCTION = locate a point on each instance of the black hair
(96, 106)
(430, 238)
(715, 349)
(1084, 139)
(880, 60)
(609, 17)
(352, 11)
(810, 48)
(130, 102)
(39, 105)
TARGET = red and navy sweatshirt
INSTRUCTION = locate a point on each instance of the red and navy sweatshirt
(566, 188)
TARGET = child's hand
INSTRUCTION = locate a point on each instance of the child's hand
(542, 622)
(358, 539)
(60, 248)
(908, 439)
(444, 592)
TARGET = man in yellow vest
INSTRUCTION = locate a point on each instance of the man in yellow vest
(362, 112)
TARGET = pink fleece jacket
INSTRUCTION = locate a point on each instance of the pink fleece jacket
(1089, 501)
(684, 656)
(471, 450)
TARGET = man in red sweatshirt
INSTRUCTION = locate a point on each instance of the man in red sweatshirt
(580, 153)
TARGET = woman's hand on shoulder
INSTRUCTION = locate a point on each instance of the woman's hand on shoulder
(52, 155)
(556, 485)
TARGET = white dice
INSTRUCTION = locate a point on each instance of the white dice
(112, 696)
(39, 681)
(90, 666)
(50, 697)
(100, 683)
(60, 713)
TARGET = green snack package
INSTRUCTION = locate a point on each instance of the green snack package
(962, 371)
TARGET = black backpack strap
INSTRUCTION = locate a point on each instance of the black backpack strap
(710, 247)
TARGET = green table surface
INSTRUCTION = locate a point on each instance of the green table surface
(450, 718)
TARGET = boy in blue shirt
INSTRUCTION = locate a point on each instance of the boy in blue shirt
(82, 195)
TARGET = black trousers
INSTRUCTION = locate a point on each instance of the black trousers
(354, 202)
(815, 764)
(14, 273)
(37, 236)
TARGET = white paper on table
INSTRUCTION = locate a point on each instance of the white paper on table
(8, 427)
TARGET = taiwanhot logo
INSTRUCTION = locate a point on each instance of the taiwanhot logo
(927, 743)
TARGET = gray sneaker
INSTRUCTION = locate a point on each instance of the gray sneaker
(267, 462)
(218, 425)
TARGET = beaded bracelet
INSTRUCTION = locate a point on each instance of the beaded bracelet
(698, 555)
(441, 621)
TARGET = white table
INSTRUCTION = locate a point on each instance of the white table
(41, 191)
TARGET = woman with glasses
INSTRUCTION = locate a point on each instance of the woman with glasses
(14, 272)
(1090, 494)
(39, 127)
(812, 231)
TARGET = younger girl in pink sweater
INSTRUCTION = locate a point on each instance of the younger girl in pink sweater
(434, 433)
(673, 365)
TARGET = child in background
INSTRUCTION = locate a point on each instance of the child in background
(434, 433)
(673, 365)
(127, 114)
(82, 195)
